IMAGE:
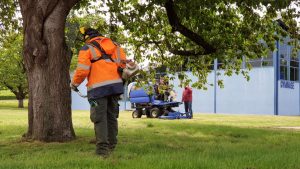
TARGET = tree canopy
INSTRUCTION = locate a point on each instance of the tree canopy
(194, 33)
(9, 18)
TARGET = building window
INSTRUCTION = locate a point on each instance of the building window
(289, 66)
(283, 67)
(294, 69)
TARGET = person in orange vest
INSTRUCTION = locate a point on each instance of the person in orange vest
(187, 98)
(101, 61)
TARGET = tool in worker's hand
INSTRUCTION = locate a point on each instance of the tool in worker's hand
(73, 87)
(80, 94)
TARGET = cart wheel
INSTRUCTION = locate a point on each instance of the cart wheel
(136, 114)
(155, 112)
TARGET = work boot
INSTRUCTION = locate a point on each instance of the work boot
(102, 151)
(111, 148)
(102, 154)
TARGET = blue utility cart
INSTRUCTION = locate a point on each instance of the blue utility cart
(145, 104)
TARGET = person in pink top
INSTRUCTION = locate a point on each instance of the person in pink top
(187, 98)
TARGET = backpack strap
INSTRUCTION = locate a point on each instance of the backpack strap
(105, 56)
(92, 45)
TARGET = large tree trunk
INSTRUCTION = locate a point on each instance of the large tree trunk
(47, 66)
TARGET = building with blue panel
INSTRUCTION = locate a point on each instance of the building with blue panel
(273, 88)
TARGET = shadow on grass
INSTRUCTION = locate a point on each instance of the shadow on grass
(7, 98)
(13, 108)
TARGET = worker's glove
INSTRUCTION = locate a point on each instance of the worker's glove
(74, 87)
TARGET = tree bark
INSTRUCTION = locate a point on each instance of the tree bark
(47, 66)
(21, 103)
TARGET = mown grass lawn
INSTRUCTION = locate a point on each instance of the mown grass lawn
(208, 141)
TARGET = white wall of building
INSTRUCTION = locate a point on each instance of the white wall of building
(240, 96)
(288, 98)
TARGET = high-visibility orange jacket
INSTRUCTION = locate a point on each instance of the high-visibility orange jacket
(103, 76)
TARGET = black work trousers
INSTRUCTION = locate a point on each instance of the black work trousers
(104, 116)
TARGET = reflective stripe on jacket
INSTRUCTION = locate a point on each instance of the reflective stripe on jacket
(103, 77)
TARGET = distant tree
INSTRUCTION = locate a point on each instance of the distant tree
(12, 70)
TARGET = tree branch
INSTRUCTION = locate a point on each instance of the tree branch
(177, 26)
(172, 50)
(182, 52)
(10, 88)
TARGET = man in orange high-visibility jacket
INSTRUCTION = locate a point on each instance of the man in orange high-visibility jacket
(100, 60)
